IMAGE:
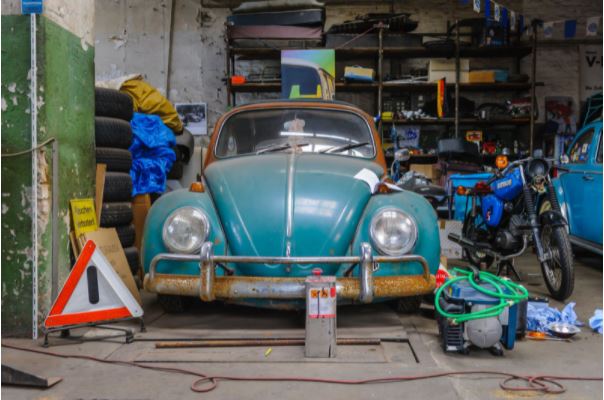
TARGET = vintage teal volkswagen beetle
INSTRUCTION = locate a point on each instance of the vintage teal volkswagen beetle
(290, 186)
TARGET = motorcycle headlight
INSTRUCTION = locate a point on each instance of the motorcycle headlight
(185, 230)
(393, 232)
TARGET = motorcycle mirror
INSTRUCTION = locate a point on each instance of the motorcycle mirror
(402, 155)
(564, 159)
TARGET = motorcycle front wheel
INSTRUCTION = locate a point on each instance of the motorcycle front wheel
(558, 272)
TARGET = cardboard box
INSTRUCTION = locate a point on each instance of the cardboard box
(359, 74)
(448, 248)
(439, 69)
(108, 242)
(140, 207)
(485, 76)
(432, 171)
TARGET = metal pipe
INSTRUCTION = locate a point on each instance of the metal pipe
(457, 77)
(366, 295)
(259, 342)
(54, 279)
(34, 172)
(533, 88)
(246, 287)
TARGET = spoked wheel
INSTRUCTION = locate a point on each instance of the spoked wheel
(557, 272)
(472, 232)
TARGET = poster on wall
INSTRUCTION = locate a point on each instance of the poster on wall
(591, 70)
(308, 74)
(193, 117)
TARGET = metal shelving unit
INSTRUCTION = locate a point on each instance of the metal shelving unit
(379, 87)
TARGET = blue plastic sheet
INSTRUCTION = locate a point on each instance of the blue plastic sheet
(595, 322)
(152, 154)
(539, 315)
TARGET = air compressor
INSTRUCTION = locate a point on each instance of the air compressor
(477, 308)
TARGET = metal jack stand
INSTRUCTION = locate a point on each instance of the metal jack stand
(506, 268)
(66, 334)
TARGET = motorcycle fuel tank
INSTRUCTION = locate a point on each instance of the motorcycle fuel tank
(508, 187)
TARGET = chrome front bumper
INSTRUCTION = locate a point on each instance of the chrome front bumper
(210, 287)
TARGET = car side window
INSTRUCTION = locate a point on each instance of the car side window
(579, 153)
(599, 156)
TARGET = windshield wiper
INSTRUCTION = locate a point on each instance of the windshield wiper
(279, 147)
(344, 147)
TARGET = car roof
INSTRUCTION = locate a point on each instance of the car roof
(294, 101)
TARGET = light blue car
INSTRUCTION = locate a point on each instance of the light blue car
(579, 188)
(290, 186)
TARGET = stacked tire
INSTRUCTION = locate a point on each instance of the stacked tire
(113, 136)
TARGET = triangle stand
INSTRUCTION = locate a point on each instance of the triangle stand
(93, 296)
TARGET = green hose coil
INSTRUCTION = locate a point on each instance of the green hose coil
(517, 293)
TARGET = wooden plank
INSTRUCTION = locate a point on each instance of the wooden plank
(101, 169)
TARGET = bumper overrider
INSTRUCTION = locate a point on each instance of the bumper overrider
(210, 287)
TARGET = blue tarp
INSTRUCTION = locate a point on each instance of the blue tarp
(152, 154)
(540, 315)
(595, 322)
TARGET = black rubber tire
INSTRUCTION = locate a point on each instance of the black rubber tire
(112, 132)
(117, 160)
(118, 187)
(113, 103)
(171, 304)
(133, 259)
(126, 233)
(179, 154)
(176, 171)
(186, 143)
(409, 305)
(564, 262)
(116, 214)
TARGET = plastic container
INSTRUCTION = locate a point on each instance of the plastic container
(467, 180)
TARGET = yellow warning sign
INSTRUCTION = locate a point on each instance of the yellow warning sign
(83, 216)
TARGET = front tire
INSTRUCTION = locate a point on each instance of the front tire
(171, 304)
(558, 272)
(409, 305)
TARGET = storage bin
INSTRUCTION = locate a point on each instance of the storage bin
(467, 180)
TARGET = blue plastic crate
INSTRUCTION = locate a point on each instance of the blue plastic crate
(467, 180)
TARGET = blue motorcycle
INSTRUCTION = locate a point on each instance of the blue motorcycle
(502, 220)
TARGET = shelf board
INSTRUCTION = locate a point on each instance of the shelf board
(462, 121)
(394, 52)
(462, 86)
(373, 86)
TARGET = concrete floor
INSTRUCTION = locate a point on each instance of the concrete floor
(84, 379)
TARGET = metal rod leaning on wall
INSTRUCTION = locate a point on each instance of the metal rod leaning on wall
(457, 76)
(54, 206)
(535, 24)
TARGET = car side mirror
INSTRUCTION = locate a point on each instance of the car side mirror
(564, 159)
(402, 155)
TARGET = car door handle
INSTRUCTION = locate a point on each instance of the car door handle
(588, 178)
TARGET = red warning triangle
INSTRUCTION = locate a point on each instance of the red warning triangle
(93, 292)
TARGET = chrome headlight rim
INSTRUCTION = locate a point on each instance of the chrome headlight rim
(206, 231)
(403, 250)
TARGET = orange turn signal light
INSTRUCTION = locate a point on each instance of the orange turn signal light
(197, 187)
(501, 161)
(461, 190)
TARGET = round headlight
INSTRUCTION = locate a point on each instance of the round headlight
(393, 232)
(185, 230)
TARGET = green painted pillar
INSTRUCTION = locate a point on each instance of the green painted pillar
(65, 112)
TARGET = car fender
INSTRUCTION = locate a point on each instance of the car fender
(152, 243)
(416, 206)
(559, 191)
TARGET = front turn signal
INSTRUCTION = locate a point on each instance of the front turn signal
(501, 161)
(197, 187)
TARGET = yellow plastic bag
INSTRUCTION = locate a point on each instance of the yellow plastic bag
(149, 100)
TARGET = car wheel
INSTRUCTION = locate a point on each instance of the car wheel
(117, 160)
(409, 305)
(118, 187)
(112, 132)
(171, 304)
(113, 103)
(115, 214)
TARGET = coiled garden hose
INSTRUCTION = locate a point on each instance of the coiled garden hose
(515, 293)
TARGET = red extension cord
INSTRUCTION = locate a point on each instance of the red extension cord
(541, 383)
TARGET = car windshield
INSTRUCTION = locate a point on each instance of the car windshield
(309, 130)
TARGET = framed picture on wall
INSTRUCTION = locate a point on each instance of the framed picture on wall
(193, 117)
